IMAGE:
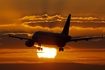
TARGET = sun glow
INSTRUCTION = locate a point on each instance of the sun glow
(47, 52)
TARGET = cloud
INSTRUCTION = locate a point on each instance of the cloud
(19, 17)
(47, 18)
(9, 51)
(18, 8)
(30, 24)
(87, 31)
(27, 25)
(25, 28)
(75, 30)
(85, 18)
(44, 17)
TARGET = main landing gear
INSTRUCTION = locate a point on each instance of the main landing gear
(39, 49)
(61, 49)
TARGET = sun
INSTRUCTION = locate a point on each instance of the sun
(47, 52)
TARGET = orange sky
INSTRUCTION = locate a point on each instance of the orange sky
(11, 10)
(24, 17)
(27, 16)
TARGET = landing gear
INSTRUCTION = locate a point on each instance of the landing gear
(61, 45)
(61, 49)
(40, 49)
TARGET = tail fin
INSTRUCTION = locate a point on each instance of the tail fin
(66, 27)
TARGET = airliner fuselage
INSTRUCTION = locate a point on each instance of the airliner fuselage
(49, 38)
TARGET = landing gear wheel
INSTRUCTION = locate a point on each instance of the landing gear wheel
(40, 49)
(61, 49)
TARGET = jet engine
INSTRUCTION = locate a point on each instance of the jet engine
(29, 43)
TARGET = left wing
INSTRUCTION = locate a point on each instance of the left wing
(86, 38)
(19, 37)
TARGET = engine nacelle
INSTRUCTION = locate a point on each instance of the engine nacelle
(29, 43)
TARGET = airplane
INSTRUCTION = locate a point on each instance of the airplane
(50, 38)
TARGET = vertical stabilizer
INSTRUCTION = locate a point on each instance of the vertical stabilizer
(66, 27)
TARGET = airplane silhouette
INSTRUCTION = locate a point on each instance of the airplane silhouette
(50, 38)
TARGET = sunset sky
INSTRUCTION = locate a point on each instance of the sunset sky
(24, 17)
(27, 16)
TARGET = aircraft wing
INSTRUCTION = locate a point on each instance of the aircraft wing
(86, 38)
(19, 37)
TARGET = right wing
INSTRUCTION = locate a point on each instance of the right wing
(86, 38)
(19, 37)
